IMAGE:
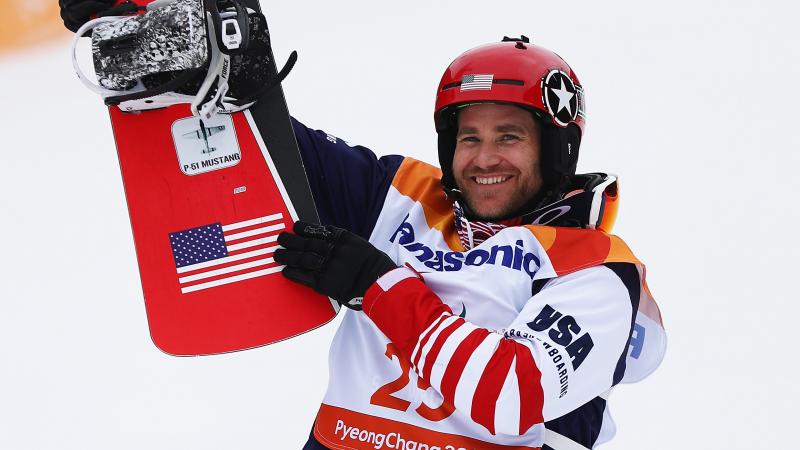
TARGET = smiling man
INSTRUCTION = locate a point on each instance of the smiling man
(474, 325)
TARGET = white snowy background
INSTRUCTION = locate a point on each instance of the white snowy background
(692, 103)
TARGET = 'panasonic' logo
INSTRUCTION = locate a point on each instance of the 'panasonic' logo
(514, 257)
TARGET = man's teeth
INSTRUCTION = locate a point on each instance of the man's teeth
(490, 180)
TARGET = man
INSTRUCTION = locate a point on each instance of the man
(477, 329)
(472, 326)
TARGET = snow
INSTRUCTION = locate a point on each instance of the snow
(689, 102)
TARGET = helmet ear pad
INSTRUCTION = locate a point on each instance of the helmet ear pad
(447, 150)
(559, 154)
(447, 130)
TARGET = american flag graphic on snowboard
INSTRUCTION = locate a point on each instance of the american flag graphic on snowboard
(215, 255)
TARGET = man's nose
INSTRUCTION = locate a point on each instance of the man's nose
(488, 155)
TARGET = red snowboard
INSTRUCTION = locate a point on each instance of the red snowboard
(206, 209)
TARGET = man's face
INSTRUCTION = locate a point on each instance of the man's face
(496, 161)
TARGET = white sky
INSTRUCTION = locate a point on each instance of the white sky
(689, 102)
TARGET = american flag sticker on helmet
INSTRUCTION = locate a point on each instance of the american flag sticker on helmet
(477, 82)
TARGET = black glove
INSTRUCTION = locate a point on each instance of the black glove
(332, 261)
(77, 12)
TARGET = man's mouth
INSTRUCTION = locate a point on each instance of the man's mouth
(490, 180)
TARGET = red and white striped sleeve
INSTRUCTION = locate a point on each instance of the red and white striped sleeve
(505, 382)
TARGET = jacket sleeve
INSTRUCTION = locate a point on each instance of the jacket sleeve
(348, 183)
(563, 350)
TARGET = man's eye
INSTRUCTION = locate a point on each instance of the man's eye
(509, 137)
(469, 139)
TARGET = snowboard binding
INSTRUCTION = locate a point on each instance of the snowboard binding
(211, 54)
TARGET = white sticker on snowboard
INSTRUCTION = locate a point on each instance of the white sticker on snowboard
(205, 148)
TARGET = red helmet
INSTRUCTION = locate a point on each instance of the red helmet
(515, 72)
